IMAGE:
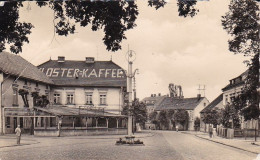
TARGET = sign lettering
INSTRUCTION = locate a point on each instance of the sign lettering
(84, 73)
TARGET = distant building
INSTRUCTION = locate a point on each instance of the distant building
(192, 105)
(151, 103)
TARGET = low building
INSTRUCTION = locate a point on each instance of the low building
(192, 105)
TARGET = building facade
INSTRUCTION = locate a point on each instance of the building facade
(82, 97)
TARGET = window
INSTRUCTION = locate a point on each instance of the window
(25, 82)
(15, 97)
(89, 98)
(21, 122)
(103, 99)
(56, 99)
(37, 84)
(42, 122)
(70, 98)
(205, 104)
(47, 87)
(8, 122)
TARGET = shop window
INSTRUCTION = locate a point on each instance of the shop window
(56, 99)
(21, 122)
(52, 121)
(15, 97)
(70, 98)
(42, 122)
(89, 98)
(8, 122)
(103, 99)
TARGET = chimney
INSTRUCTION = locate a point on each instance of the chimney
(159, 94)
(90, 59)
(61, 59)
(199, 96)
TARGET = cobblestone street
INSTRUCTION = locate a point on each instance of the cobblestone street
(164, 145)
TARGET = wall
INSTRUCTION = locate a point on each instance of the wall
(7, 99)
(114, 97)
(227, 94)
(20, 84)
(196, 112)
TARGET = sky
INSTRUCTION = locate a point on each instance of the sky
(169, 49)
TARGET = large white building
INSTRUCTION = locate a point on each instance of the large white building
(85, 97)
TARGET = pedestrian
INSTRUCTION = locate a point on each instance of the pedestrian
(18, 134)
(210, 131)
(177, 128)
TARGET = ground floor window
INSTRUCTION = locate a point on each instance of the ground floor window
(8, 122)
(21, 122)
(52, 121)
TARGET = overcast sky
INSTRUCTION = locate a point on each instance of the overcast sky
(169, 48)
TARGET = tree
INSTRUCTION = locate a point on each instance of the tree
(230, 117)
(114, 17)
(162, 118)
(211, 117)
(170, 118)
(138, 110)
(154, 118)
(197, 124)
(181, 116)
(242, 23)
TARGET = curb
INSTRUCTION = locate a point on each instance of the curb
(227, 145)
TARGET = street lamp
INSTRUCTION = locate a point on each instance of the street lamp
(130, 56)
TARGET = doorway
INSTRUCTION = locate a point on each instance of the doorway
(15, 123)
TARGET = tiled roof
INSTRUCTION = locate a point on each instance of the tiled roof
(179, 103)
(67, 111)
(214, 103)
(157, 100)
(79, 73)
(17, 66)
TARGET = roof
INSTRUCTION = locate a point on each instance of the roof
(157, 100)
(80, 73)
(17, 66)
(238, 81)
(68, 111)
(213, 104)
(179, 103)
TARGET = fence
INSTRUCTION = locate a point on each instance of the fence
(231, 133)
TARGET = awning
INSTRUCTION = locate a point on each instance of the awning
(75, 112)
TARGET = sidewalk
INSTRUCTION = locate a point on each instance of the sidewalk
(10, 141)
(238, 143)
